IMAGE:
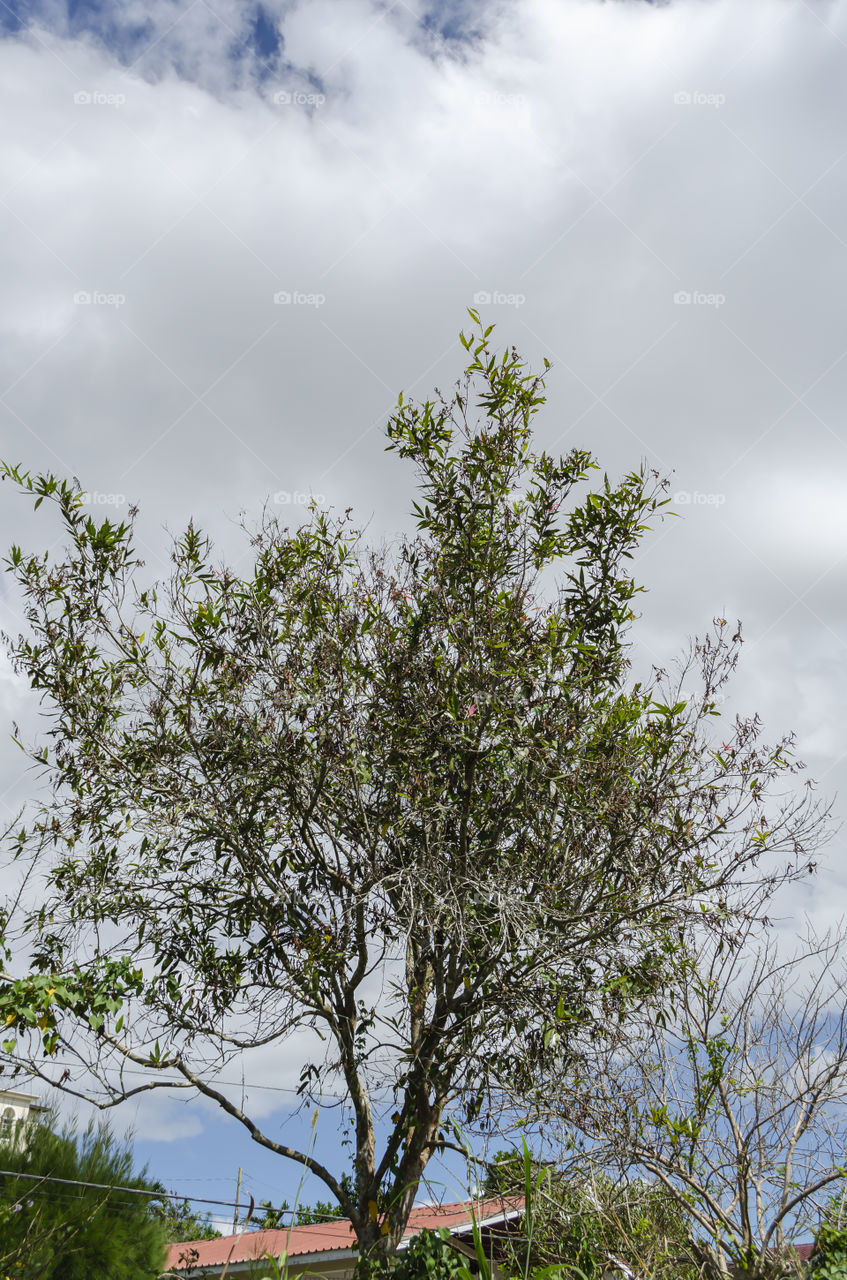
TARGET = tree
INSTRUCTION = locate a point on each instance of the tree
(284, 1215)
(60, 1230)
(411, 799)
(179, 1220)
(587, 1224)
(736, 1102)
(829, 1256)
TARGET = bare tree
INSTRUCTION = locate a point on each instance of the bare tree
(735, 1099)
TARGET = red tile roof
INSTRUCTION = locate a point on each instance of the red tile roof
(803, 1251)
(331, 1237)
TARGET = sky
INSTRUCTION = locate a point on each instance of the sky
(231, 234)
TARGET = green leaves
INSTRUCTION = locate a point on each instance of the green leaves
(324, 770)
(36, 1004)
(50, 1230)
(429, 1256)
(829, 1257)
(668, 713)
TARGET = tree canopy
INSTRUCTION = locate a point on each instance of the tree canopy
(61, 1230)
(410, 798)
(180, 1220)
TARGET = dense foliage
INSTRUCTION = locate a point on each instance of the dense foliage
(429, 1256)
(59, 1231)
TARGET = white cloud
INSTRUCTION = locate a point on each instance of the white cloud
(161, 1117)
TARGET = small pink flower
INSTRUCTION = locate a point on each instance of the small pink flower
(471, 711)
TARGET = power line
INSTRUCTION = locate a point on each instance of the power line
(159, 1195)
(180, 1080)
(105, 1186)
(138, 1191)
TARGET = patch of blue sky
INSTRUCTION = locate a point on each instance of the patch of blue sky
(14, 17)
(253, 44)
(261, 48)
(265, 38)
(453, 20)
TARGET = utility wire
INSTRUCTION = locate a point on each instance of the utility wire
(137, 1191)
(157, 1195)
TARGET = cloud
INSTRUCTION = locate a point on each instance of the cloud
(159, 1117)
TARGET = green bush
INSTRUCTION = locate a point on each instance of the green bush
(429, 1256)
(59, 1231)
(829, 1257)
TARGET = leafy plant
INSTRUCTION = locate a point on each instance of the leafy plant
(829, 1256)
(428, 1256)
(425, 770)
(180, 1221)
(61, 1230)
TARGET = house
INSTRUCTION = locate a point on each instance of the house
(326, 1250)
(15, 1109)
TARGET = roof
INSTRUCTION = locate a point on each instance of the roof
(323, 1240)
(803, 1252)
(15, 1098)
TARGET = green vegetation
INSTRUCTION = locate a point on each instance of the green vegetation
(426, 770)
(585, 1222)
(829, 1257)
(57, 1231)
(300, 1216)
(179, 1221)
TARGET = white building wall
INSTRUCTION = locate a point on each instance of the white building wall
(15, 1110)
